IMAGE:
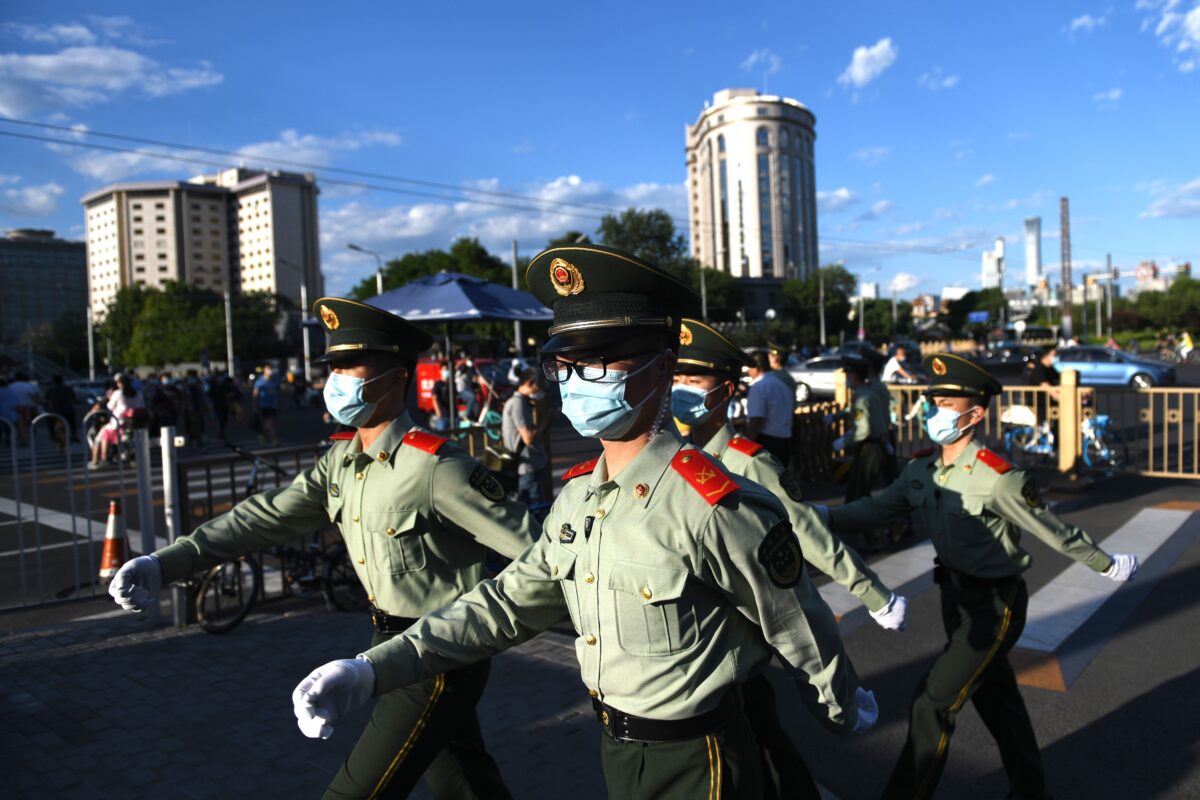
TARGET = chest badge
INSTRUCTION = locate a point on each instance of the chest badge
(334, 491)
(566, 534)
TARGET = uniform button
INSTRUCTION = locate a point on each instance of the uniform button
(599, 513)
(686, 459)
(358, 476)
(391, 531)
(591, 638)
(555, 570)
(362, 561)
(589, 578)
(370, 598)
(592, 693)
(383, 456)
(354, 518)
(646, 593)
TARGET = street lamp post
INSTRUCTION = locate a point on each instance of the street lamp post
(378, 265)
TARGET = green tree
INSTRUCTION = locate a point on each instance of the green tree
(803, 299)
(569, 238)
(878, 319)
(989, 300)
(466, 255)
(119, 320)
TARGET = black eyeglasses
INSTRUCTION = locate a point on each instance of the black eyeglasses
(592, 368)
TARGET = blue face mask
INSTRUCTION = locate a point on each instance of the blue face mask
(598, 409)
(688, 404)
(344, 398)
(942, 424)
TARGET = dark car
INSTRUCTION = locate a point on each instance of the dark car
(1008, 355)
(1102, 366)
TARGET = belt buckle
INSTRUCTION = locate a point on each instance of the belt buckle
(379, 620)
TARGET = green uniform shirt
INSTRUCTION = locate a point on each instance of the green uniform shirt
(675, 600)
(417, 525)
(973, 510)
(821, 548)
(870, 413)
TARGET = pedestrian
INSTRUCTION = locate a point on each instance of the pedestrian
(415, 548)
(196, 402)
(708, 372)
(8, 409)
(221, 395)
(777, 355)
(524, 438)
(165, 403)
(464, 385)
(123, 399)
(895, 371)
(266, 404)
(973, 504)
(679, 578)
(60, 400)
(299, 388)
(25, 399)
(769, 407)
(439, 420)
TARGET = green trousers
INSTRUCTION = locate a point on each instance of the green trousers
(723, 765)
(868, 465)
(982, 625)
(785, 775)
(429, 729)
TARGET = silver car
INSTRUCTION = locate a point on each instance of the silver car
(814, 377)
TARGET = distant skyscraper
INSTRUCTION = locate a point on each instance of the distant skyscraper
(1033, 251)
(993, 267)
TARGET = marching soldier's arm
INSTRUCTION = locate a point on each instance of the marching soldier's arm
(499, 613)
(819, 545)
(258, 522)
(870, 512)
(750, 554)
(468, 497)
(1017, 499)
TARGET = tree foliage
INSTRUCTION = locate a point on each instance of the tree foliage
(803, 298)
(466, 255)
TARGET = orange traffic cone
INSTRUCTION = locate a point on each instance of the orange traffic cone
(116, 544)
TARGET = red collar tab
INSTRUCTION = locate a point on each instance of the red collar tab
(425, 442)
(704, 475)
(744, 446)
(994, 461)
(341, 436)
(586, 468)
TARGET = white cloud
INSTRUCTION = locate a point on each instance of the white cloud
(8, 180)
(1108, 99)
(1175, 28)
(871, 155)
(903, 282)
(762, 60)
(909, 229)
(72, 33)
(1086, 23)
(1180, 201)
(868, 63)
(836, 200)
(945, 213)
(523, 147)
(936, 79)
(984, 180)
(293, 146)
(31, 201)
(873, 253)
(877, 210)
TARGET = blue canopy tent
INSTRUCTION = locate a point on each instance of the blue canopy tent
(451, 297)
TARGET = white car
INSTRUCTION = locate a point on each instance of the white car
(814, 377)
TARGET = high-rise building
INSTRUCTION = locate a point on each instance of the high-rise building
(238, 230)
(752, 187)
(1033, 251)
(44, 278)
(993, 267)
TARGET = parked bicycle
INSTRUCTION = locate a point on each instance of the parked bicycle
(1103, 446)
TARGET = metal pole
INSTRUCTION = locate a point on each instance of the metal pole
(1099, 321)
(518, 339)
(452, 390)
(893, 313)
(378, 274)
(145, 496)
(228, 334)
(821, 306)
(171, 507)
(703, 296)
(91, 347)
(1109, 291)
(304, 333)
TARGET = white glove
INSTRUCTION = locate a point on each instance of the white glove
(136, 584)
(823, 511)
(839, 443)
(330, 692)
(1123, 567)
(868, 710)
(893, 616)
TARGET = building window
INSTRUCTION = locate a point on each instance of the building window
(760, 111)
(137, 219)
(137, 231)
(766, 230)
(721, 143)
(762, 138)
(724, 184)
(160, 231)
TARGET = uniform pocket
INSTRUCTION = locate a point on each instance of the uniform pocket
(654, 617)
(562, 569)
(394, 540)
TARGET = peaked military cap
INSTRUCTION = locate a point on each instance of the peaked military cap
(954, 376)
(602, 297)
(704, 351)
(354, 328)
(778, 349)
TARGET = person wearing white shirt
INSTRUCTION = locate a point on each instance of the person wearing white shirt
(894, 371)
(769, 407)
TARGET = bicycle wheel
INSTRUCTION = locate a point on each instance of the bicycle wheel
(1019, 438)
(1108, 452)
(226, 594)
(343, 590)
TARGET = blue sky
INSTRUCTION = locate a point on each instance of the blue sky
(939, 126)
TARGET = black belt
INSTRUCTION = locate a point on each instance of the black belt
(944, 576)
(386, 623)
(627, 728)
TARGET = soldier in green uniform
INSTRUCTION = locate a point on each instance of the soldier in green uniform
(866, 442)
(706, 377)
(414, 549)
(973, 504)
(778, 356)
(680, 578)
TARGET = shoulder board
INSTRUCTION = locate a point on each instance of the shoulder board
(585, 468)
(928, 451)
(425, 442)
(994, 461)
(745, 446)
(704, 475)
(341, 436)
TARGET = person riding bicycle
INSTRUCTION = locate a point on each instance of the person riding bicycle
(418, 516)
(1186, 346)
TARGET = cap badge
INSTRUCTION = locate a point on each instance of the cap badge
(939, 367)
(685, 335)
(565, 277)
(329, 318)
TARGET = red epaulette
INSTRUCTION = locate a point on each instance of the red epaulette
(994, 461)
(341, 436)
(704, 475)
(745, 446)
(581, 469)
(928, 451)
(425, 442)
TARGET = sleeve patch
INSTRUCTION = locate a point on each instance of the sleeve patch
(483, 481)
(703, 475)
(791, 485)
(1031, 494)
(425, 442)
(780, 555)
(744, 446)
(586, 468)
(994, 461)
